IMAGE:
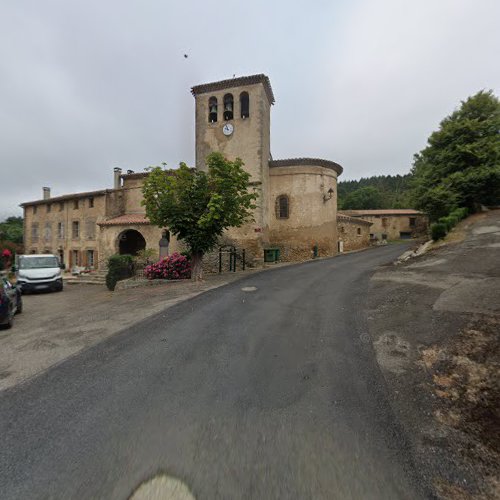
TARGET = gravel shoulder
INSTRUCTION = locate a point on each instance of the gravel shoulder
(435, 327)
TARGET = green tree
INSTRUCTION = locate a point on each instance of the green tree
(394, 190)
(365, 198)
(461, 164)
(199, 206)
(11, 229)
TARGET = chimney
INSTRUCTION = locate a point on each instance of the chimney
(46, 193)
(117, 173)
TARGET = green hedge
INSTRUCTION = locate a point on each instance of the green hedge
(446, 224)
(120, 267)
(438, 230)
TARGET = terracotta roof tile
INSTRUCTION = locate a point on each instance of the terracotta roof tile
(387, 211)
(64, 197)
(354, 220)
(295, 162)
(126, 219)
(235, 82)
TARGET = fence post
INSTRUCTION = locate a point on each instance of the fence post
(243, 257)
(220, 259)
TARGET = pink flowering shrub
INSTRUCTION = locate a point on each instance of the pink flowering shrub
(173, 267)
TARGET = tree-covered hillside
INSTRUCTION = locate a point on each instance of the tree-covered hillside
(380, 191)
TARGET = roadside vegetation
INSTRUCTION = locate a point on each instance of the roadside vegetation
(456, 173)
(120, 267)
(11, 240)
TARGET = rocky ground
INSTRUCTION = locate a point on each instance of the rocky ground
(435, 325)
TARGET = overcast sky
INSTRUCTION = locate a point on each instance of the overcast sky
(89, 85)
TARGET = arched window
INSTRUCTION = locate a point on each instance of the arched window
(282, 207)
(212, 110)
(228, 107)
(244, 105)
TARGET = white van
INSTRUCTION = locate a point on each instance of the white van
(38, 272)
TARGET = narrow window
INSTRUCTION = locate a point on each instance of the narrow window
(91, 202)
(34, 231)
(75, 229)
(212, 110)
(60, 230)
(90, 258)
(282, 208)
(244, 105)
(75, 257)
(48, 231)
(75, 204)
(228, 107)
(90, 229)
(359, 231)
(413, 221)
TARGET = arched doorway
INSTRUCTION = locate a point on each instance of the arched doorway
(131, 242)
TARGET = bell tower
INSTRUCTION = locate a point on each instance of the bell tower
(234, 117)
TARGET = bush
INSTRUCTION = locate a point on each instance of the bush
(438, 230)
(173, 267)
(120, 267)
(460, 213)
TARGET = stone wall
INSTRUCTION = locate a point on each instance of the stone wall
(249, 141)
(353, 233)
(393, 225)
(312, 214)
(109, 237)
(54, 219)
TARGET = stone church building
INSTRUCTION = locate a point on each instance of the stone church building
(297, 198)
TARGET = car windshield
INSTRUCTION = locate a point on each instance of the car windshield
(37, 262)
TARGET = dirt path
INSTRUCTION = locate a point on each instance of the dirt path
(435, 325)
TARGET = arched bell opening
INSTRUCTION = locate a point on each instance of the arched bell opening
(228, 107)
(212, 110)
(244, 105)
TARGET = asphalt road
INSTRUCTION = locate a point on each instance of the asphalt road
(264, 394)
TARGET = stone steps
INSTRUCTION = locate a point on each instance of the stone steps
(96, 278)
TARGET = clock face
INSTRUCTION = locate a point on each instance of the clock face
(227, 129)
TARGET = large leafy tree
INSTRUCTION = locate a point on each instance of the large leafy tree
(461, 164)
(199, 206)
(11, 229)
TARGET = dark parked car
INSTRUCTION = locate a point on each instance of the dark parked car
(11, 302)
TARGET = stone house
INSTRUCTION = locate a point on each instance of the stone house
(296, 206)
(354, 233)
(84, 229)
(393, 223)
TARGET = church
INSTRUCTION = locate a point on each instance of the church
(296, 206)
